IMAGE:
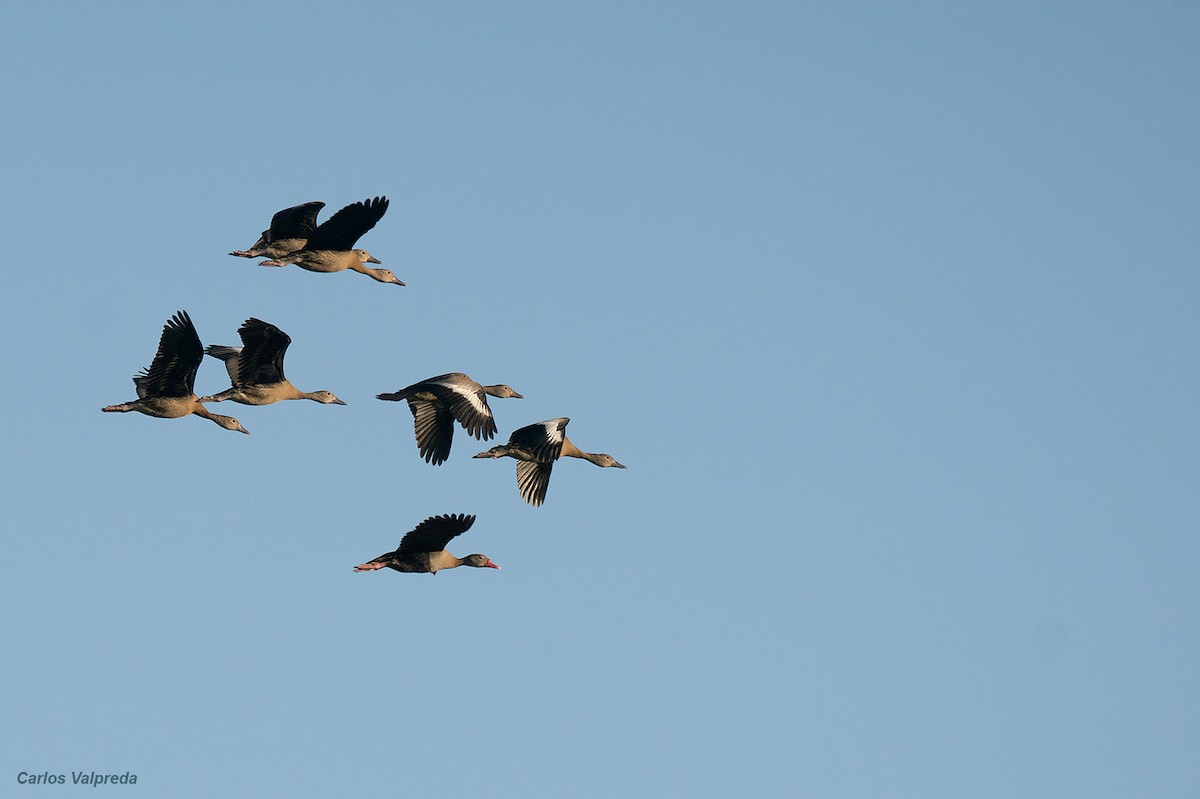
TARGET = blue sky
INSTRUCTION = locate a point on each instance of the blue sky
(890, 311)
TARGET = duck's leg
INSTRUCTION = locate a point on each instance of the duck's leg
(124, 407)
(368, 567)
(221, 397)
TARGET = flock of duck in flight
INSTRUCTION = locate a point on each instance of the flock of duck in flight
(166, 389)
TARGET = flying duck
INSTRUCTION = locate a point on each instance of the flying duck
(536, 447)
(165, 389)
(289, 231)
(423, 549)
(256, 368)
(438, 402)
(330, 247)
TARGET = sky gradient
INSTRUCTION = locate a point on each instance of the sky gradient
(890, 312)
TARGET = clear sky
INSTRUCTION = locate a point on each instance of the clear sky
(890, 309)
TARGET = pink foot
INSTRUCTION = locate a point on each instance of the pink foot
(368, 567)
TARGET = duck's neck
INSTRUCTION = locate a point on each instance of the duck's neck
(204, 413)
(359, 266)
(569, 450)
(288, 391)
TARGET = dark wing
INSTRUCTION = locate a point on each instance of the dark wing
(297, 222)
(544, 440)
(434, 427)
(533, 479)
(228, 356)
(404, 561)
(172, 373)
(411, 562)
(261, 360)
(434, 533)
(342, 230)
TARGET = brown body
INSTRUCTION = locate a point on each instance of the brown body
(423, 549)
(289, 231)
(273, 249)
(165, 389)
(256, 368)
(330, 247)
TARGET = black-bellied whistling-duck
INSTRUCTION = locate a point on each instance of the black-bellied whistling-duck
(330, 248)
(437, 402)
(165, 389)
(536, 447)
(289, 231)
(423, 549)
(256, 368)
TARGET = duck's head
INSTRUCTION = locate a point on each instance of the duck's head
(606, 460)
(502, 391)
(229, 423)
(325, 398)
